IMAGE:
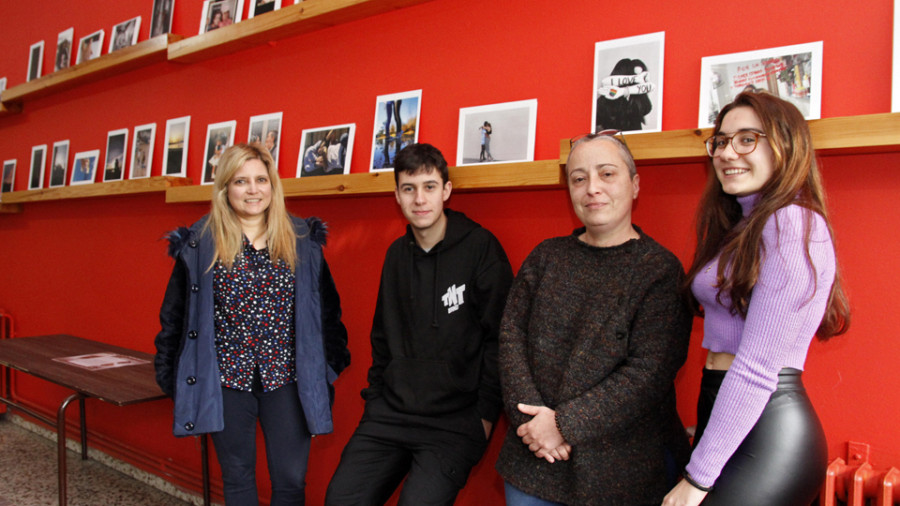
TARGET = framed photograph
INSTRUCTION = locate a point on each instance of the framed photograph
(793, 73)
(396, 126)
(497, 133)
(59, 163)
(124, 34)
(38, 162)
(220, 13)
(161, 18)
(84, 167)
(266, 129)
(178, 132)
(218, 137)
(9, 176)
(258, 7)
(116, 144)
(142, 151)
(64, 42)
(628, 83)
(35, 60)
(90, 46)
(326, 150)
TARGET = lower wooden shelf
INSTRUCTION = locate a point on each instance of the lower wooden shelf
(126, 187)
(855, 134)
(845, 134)
(522, 175)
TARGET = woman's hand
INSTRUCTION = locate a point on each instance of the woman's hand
(684, 494)
(541, 435)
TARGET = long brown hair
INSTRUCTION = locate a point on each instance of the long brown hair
(795, 180)
(223, 223)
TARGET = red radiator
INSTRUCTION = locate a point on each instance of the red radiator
(857, 483)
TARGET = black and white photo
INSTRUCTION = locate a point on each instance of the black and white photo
(628, 84)
(35, 60)
(124, 34)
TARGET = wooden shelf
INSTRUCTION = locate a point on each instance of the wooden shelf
(502, 176)
(846, 134)
(129, 58)
(126, 187)
(9, 109)
(854, 134)
(291, 20)
(303, 17)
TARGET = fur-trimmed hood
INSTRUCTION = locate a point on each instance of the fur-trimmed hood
(181, 237)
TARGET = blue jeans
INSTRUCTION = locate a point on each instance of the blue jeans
(515, 497)
(287, 445)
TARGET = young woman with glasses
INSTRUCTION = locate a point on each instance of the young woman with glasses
(765, 279)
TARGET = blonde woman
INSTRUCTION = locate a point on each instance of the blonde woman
(251, 329)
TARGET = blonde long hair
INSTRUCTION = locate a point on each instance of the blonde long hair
(224, 224)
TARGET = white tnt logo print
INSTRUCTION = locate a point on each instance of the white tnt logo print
(453, 298)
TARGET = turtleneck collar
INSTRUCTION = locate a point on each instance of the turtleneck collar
(748, 202)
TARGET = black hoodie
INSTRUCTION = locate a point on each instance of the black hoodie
(437, 320)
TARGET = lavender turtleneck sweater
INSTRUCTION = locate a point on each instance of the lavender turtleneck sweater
(786, 307)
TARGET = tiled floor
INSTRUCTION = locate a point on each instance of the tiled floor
(28, 475)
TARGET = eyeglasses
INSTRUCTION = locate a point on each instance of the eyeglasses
(743, 142)
(611, 132)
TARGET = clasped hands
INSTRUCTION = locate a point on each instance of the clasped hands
(541, 435)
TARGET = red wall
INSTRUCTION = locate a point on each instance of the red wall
(97, 267)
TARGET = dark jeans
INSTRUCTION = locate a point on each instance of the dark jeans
(436, 464)
(287, 445)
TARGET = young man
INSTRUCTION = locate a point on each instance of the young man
(434, 388)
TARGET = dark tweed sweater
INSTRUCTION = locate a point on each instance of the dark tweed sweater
(596, 334)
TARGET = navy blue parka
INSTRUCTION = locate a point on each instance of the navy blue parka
(186, 363)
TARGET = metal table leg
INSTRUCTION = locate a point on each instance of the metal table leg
(61, 441)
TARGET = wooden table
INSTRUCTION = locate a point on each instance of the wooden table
(94, 374)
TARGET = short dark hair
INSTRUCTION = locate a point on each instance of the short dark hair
(417, 158)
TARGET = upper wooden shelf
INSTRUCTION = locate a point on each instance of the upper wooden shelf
(540, 174)
(846, 134)
(125, 187)
(302, 17)
(129, 58)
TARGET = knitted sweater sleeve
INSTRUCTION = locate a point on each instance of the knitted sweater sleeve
(782, 317)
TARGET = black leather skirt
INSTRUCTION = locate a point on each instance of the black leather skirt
(782, 460)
